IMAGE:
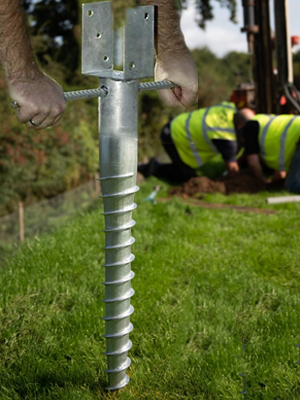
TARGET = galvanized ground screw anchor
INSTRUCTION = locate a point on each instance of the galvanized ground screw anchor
(118, 125)
(243, 375)
(298, 345)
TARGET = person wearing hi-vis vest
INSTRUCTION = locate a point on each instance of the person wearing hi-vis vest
(274, 141)
(194, 138)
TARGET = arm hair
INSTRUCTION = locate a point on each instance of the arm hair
(16, 53)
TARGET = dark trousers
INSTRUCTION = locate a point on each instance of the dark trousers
(177, 171)
(292, 182)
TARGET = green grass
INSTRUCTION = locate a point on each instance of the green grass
(217, 294)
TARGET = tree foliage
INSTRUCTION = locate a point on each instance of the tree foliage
(53, 26)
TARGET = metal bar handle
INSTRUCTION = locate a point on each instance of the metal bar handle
(102, 92)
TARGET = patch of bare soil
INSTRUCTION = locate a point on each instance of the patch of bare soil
(242, 182)
(198, 185)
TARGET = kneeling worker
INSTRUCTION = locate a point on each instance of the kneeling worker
(274, 141)
(192, 139)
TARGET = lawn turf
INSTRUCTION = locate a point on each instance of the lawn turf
(217, 295)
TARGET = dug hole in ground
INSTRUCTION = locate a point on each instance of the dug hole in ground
(242, 182)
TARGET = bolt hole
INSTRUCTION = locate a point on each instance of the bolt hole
(105, 58)
(90, 13)
(98, 35)
(132, 65)
(104, 88)
(146, 16)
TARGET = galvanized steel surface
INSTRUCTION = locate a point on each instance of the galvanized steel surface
(118, 166)
(118, 121)
(139, 43)
(97, 39)
(98, 42)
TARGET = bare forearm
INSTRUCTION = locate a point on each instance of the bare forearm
(16, 54)
(40, 99)
(254, 164)
(257, 171)
(173, 59)
(169, 37)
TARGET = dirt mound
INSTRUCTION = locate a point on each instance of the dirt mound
(242, 182)
(198, 185)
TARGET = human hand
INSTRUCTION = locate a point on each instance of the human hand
(278, 176)
(232, 168)
(181, 70)
(40, 100)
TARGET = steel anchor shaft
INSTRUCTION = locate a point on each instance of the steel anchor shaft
(118, 121)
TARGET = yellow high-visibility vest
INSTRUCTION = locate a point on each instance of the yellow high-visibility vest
(192, 133)
(278, 138)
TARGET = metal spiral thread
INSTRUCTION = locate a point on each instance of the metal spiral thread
(118, 166)
(118, 292)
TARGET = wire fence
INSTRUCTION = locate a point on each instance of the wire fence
(42, 216)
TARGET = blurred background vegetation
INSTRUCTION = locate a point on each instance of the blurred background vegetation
(40, 164)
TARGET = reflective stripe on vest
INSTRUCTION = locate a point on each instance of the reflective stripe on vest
(281, 160)
(205, 134)
(263, 137)
(192, 133)
(206, 128)
(278, 138)
(192, 144)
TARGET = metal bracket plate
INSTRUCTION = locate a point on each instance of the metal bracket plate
(97, 39)
(139, 43)
(98, 42)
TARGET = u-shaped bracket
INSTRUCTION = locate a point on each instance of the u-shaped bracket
(98, 42)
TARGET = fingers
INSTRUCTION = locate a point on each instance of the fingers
(178, 97)
(37, 122)
(40, 119)
(189, 97)
(186, 94)
(57, 120)
(183, 72)
(47, 123)
(40, 101)
(172, 97)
